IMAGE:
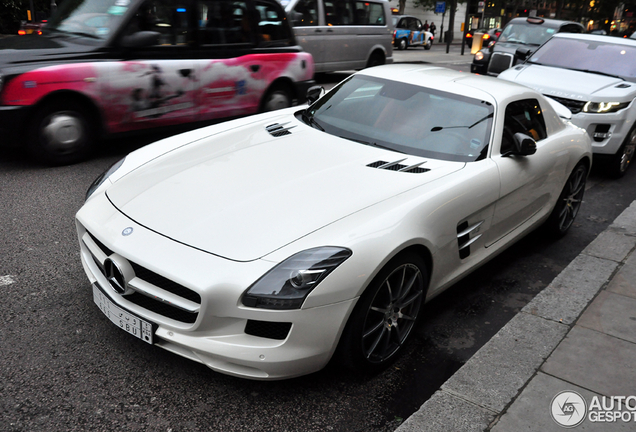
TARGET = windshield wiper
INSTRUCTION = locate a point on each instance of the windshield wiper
(311, 121)
(370, 143)
(439, 128)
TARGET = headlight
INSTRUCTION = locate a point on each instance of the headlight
(604, 107)
(102, 178)
(479, 56)
(287, 285)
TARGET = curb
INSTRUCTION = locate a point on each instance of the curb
(480, 392)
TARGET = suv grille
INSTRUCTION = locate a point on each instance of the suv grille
(576, 106)
(155, 304)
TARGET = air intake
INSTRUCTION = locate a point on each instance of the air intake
(398, 166)
(278, 130)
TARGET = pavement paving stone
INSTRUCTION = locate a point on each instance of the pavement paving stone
(596, 361)
(624, 282)
(531, 410)
(612, 314)
(572, 290)
(626, 221)
(444, 412)
(496, 373)
(611, 245)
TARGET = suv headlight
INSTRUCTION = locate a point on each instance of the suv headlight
(604, 107)
(288, 284)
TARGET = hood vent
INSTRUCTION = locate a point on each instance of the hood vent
(278, 130)
(398, 166)
(623, 86)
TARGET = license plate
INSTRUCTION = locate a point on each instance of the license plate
(124, 319)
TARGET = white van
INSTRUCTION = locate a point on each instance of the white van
(343, 34)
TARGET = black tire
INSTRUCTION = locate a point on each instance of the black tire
(277, 97)
(385, 316)
(619, 163)
(428, 44)
(402, 44)
(376, 59)
(569, 202)
(61, 133)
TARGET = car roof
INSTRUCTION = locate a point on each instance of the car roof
(547, 22)
(599, 38)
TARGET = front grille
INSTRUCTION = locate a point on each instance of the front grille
(499, 62)
(269, 330)
(154, 304)
(576, 106)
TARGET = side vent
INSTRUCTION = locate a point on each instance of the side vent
(278, 130)
(464, 238)
(398, 166)
(623, 86)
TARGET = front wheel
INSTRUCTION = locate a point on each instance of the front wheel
(569, 202)
(622, 160)
(385, 315)
(60, 133)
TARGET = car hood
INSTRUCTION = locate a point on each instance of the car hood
(242, 193)
(567, 83)
(19, 54)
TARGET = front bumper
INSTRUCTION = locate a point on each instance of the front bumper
(12, 121)
(221, 332)
(607, 131)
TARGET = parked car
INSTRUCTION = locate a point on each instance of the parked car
(488, 36)
(264, 246)
(106, 67)
(343, 34)
(595, 77)
(526, 34)
(409, 32)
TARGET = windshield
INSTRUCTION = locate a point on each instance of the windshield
(526, 33)
(406, 118)
(605, 57)
(94, 19)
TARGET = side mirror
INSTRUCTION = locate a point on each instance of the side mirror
(141, 39)
(523, 53)
(524, 145)
(314, 93)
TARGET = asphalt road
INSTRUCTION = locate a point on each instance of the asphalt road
(65, 367)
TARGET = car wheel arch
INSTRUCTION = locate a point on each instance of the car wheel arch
(282, 83)
(93, 110)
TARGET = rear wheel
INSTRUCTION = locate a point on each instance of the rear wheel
(402, 44)
(276, 98)
(621, 161)
(385, 315)
(569, 202)
(60, 133)
(428, 44)
(376, 59)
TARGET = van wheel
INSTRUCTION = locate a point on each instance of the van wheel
(60, 133)
(376, 59)
(402, 44)
(277, 97)
(621, 161)
(385, 315)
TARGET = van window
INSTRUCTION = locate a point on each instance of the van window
(223, 22)
(368, 13)
(305, 13)
(338, 12)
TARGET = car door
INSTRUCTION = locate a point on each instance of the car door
(527, 182)
(308, 29)
(153, 85)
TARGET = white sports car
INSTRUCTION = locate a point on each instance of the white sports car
(265, 246)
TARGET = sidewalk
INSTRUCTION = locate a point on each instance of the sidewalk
(578, 334)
